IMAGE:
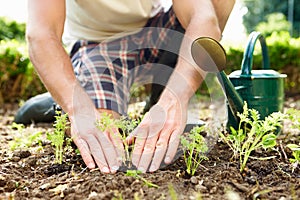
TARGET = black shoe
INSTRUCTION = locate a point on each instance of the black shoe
(40, 108)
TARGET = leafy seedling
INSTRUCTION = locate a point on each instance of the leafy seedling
(24, 140)
(294, 116)
(122, 125)
(194, 149)
(57, 137)
(253, 133)
(296, 153)
(136, 174)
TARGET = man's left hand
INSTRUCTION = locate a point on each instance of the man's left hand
(158, 135)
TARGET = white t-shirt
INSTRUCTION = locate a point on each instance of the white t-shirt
(97, 20)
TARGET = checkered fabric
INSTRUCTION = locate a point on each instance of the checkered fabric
(107, 70)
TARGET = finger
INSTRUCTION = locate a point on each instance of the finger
(172, 146)
(142, 133)
(148, 151)
(160, 149)
(115, 137)
(98, 155)
(129, 139)
(150, 145)
(109, 152)
(85, 152)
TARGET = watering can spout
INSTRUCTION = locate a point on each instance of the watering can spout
(213, 52)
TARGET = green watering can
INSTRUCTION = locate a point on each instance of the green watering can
(262, 89)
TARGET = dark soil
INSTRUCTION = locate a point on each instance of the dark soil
(29, 173)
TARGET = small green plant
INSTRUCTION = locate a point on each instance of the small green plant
(172, 192)
(296, 153)
(123, 125)
(253, 134)
(24, 140)
(136, 174)
(194, 149)
(57, 137)
(294, 117)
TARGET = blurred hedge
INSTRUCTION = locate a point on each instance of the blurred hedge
(284, 56)
(18, 79)
(10, 29)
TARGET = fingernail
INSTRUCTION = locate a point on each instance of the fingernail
(142, 169)
(91, 165)
(115, 168)
(152, 168)
(105, 170)
(119, 160)
(168, 160)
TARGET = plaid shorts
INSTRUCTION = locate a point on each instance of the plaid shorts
(106, 70)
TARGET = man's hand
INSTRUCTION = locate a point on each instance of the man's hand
(104, 149)
(158, 135)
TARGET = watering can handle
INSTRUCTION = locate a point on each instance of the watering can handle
(248, 55)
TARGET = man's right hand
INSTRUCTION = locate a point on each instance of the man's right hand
(44, 31)
(104, 149)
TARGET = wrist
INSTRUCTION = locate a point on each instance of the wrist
(185, 80)
(170, 97)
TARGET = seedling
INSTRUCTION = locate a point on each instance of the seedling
(294, 116)
(253, 133)
(57, 137)
(24, 140)
(123, 125)
(296, 153)
(136, 174)
(194, 149)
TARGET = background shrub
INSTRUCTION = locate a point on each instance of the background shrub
(18, 79)
(10, 29)
(284, 53)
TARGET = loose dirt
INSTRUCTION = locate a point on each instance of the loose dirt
(29, 173)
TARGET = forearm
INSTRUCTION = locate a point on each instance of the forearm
(54, 67)
(200, 19)
(187, 76)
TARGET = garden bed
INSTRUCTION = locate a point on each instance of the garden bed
(29, 173)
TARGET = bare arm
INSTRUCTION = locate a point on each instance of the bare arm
(44, 32)
(200, 18)
(158, 135)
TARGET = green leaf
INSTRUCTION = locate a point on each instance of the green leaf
(269, 140)
(293, 147)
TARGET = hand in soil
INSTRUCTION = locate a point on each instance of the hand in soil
(158, 136)
(102, 148)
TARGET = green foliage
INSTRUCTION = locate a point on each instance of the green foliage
(283, 53)
(259, 9)
(294, 116)
(17, 75)
(10, 29)
(296, 153)
(283, 50)
(276, 22)
(57, 137)
(172, 192)
(136, 174)
(194, 149)
(123, 125)
(23, 140)
(253, 133)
